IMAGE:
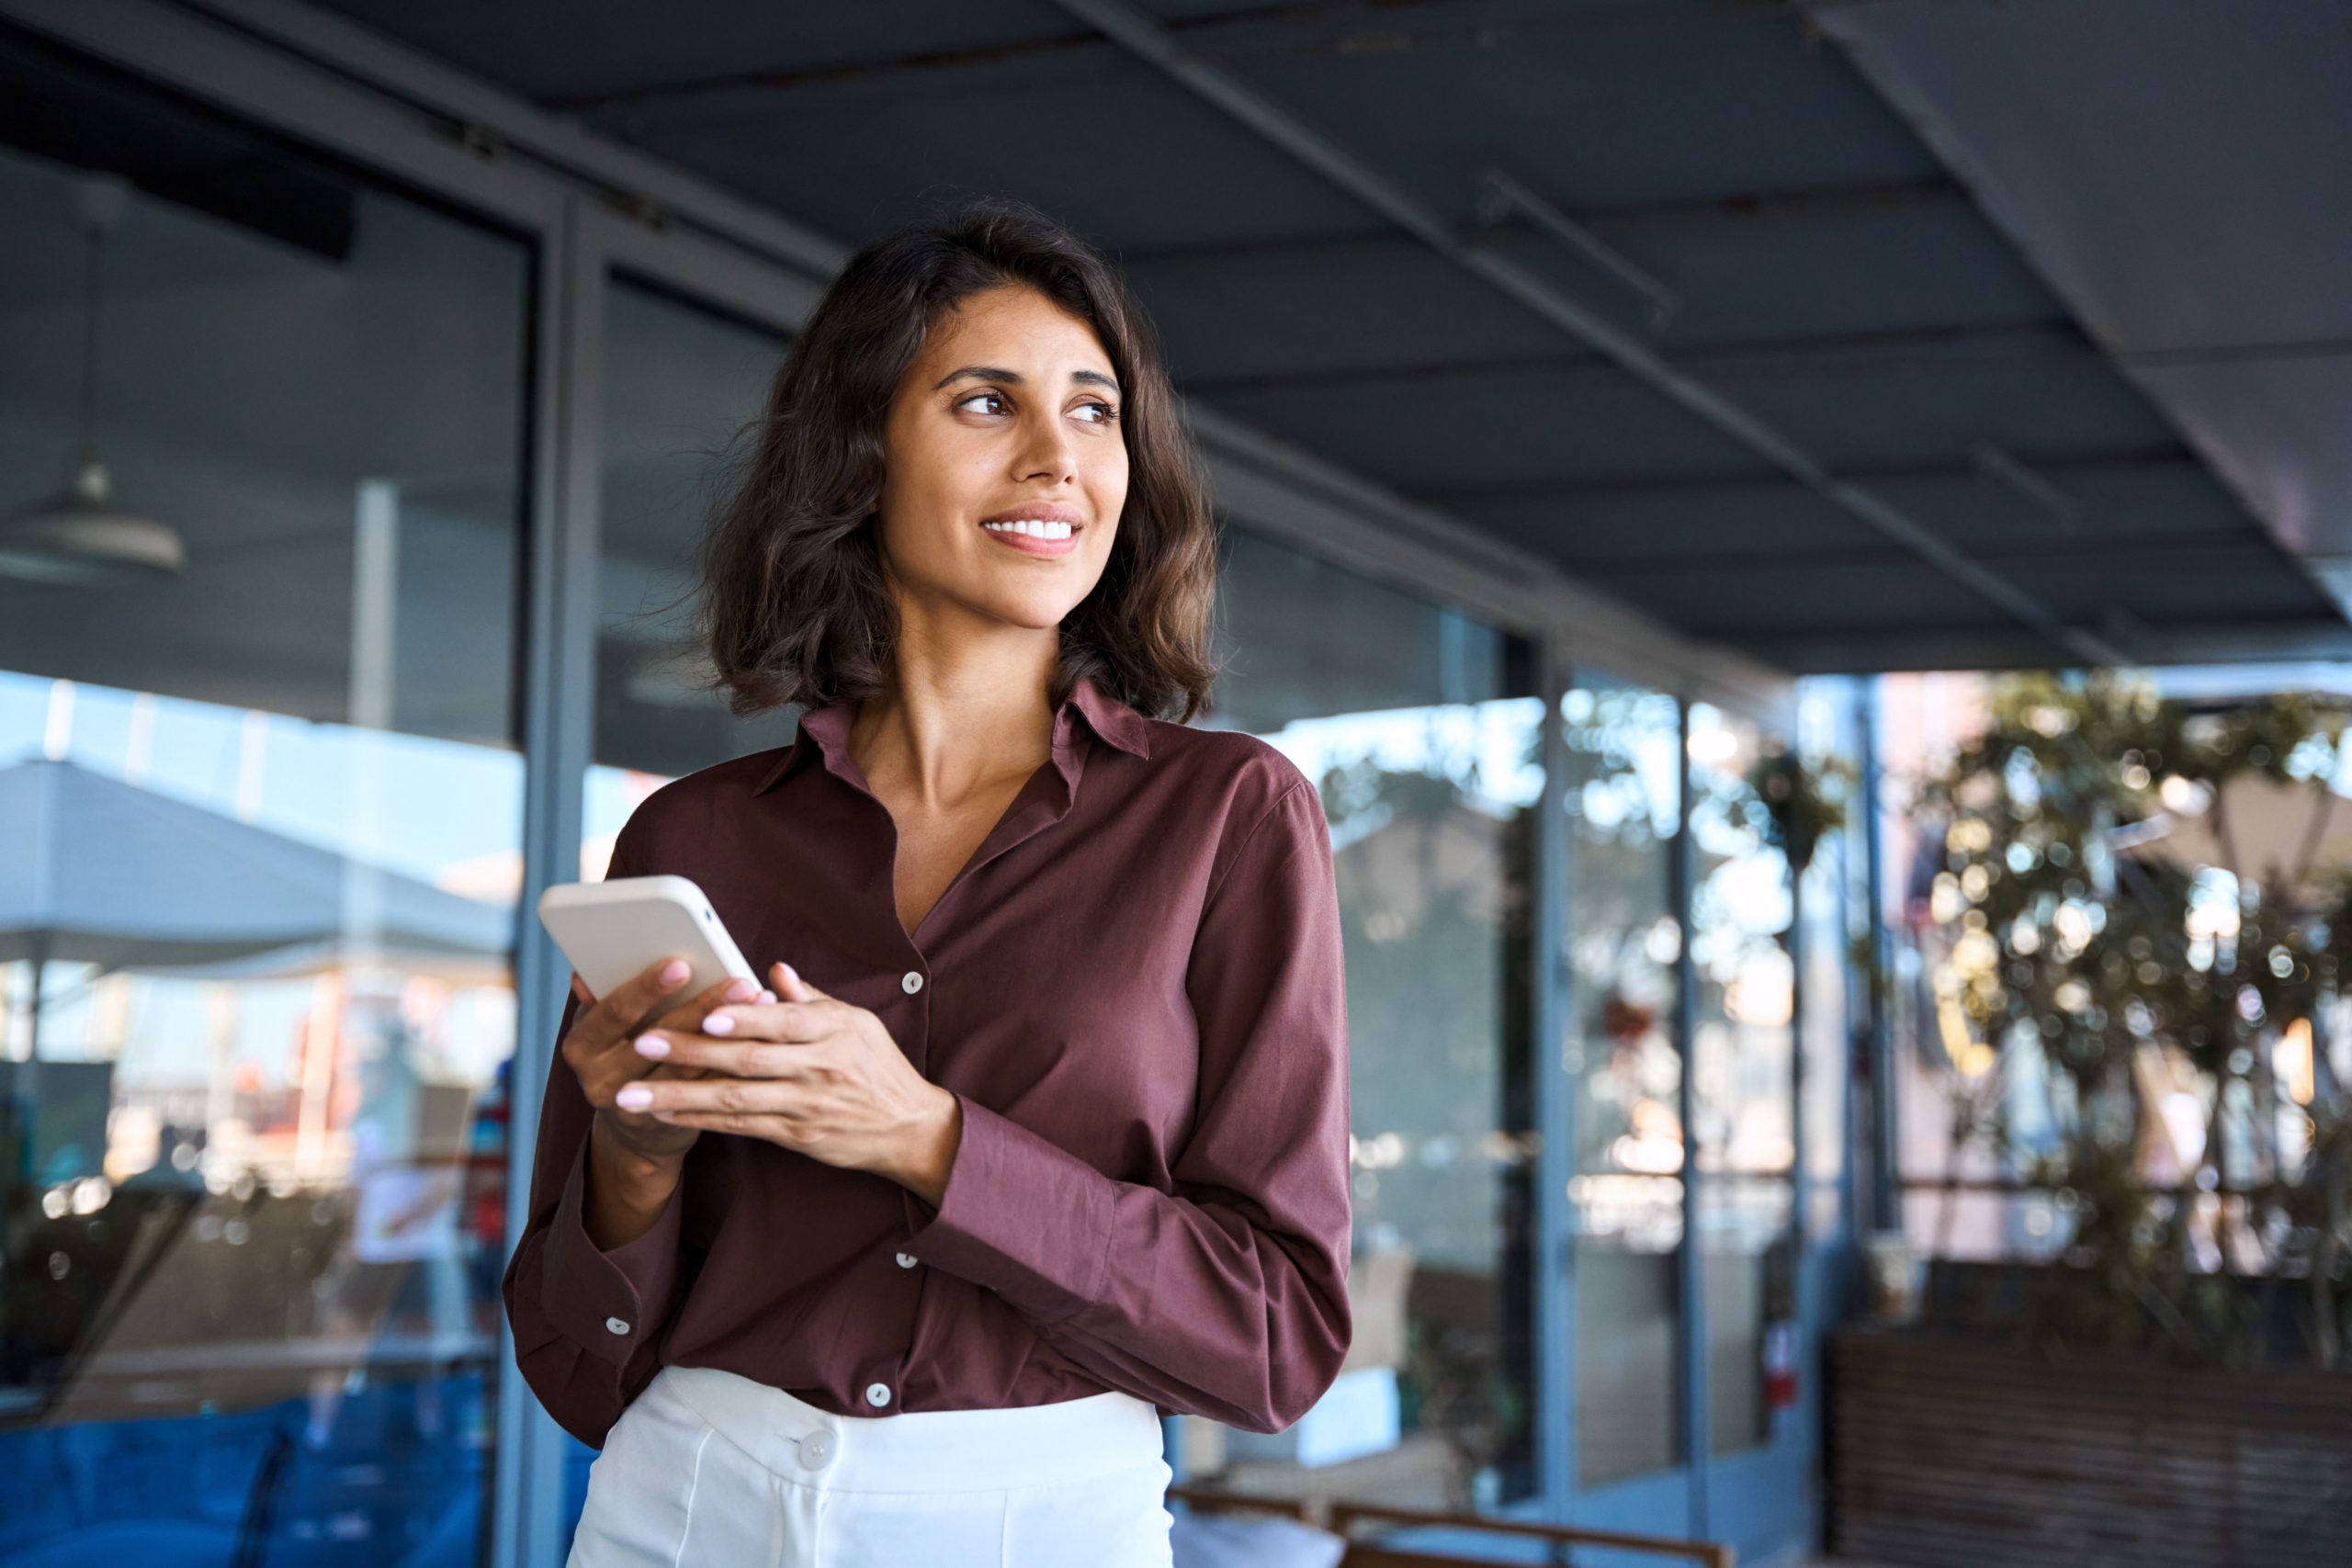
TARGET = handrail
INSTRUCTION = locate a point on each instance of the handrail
(1215, 1501)
(1343, 1517)
(1709, 1554)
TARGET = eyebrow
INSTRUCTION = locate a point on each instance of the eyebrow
(998, 372)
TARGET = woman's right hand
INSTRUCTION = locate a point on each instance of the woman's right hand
(601, 1048)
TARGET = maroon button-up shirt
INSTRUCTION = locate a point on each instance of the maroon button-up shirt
(1135, 989)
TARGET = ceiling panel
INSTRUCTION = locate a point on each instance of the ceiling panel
(1835, 278)
(560, 49)
(1497, 428)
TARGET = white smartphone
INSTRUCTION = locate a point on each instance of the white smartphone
(615, 931)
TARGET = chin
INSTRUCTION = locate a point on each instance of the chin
(1034, 618)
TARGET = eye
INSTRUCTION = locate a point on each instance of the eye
(1110, 415)
(976, 397)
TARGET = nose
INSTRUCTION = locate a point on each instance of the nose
(1047, 450)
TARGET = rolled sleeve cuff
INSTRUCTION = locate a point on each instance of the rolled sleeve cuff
(610, 1303)
(1020, 1215)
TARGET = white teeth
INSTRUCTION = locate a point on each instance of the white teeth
(1032, 527)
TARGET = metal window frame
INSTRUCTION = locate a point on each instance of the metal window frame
(593, 209)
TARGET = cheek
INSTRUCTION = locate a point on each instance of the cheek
(1108, 485)
(926, 504)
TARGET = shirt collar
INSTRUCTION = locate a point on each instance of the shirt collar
(824, 731)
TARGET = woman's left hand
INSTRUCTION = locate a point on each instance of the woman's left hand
(811, 1073)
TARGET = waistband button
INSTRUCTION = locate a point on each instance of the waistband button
(817, 1450)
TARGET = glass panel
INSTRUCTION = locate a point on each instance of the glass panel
(1743, 1075)
(1621, 795)
(683, 388)
(1836, 908)
(1420, 730)
(259, 997)
(682, 392)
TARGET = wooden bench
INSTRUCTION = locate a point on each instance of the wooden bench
(1344, 1519)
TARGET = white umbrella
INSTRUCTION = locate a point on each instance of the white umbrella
(2276, 835)
(106, 873)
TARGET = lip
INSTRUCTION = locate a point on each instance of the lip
(1043, 512)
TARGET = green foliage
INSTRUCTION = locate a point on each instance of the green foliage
(1802, 806)
(2064, 926)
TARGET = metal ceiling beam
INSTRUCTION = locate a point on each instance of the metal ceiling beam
(1740, 209)
(2138, 547)
(1270, 35)
(2119, 460)
(1880, 648)
(1149, 41)
(1931, 350)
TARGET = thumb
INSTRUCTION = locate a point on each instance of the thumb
(790, 986)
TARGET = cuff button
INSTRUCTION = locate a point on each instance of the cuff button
(617, 1325)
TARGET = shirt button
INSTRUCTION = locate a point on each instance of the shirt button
(906, 1260)
(878, 1394)
(910, 982)
(817, 1450)
(617, 1325)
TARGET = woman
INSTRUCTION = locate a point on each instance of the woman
(1040, 1130)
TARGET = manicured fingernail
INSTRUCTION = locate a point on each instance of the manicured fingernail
(676, 970)
(718, 1023)
(743, 990)
(652, 1045)
(665, 1116)
(634, 1096)
(767, 996)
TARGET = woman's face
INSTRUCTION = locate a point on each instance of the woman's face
(1009, 412)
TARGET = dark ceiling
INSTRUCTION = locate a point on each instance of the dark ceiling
(1832, 283)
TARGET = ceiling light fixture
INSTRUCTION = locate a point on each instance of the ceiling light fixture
(79, 536)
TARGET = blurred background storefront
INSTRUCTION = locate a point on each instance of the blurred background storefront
(367, 396)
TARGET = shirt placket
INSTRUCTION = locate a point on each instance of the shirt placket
(1037, 806)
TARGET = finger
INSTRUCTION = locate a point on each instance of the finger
(629, 1001)
(791, 986)
(601, 1033)
(686, 1017)
(717, 1122)
(724, 1058)
(579, 988)
(758, 1095)
(795, 1022)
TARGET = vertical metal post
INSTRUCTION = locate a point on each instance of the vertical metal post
(1555, 1092)
(1885, 1196)
(1682, 863)
(557, 669)
(1800, 1182)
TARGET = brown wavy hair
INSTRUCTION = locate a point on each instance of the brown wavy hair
(793, 604)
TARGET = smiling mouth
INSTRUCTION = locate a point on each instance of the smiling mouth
(1033, 529)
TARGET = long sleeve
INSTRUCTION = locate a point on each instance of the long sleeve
(1225, 1297)
(585, 1320)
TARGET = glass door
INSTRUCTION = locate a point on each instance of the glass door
(1743, 1055)
(264, 796)
(1623, 1070)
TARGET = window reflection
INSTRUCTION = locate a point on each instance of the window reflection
(1622, 800)
(263, 819)
(1743, 1072)
(1834, 911)
(1418, 726)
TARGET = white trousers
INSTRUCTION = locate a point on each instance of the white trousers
(706, 1469)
